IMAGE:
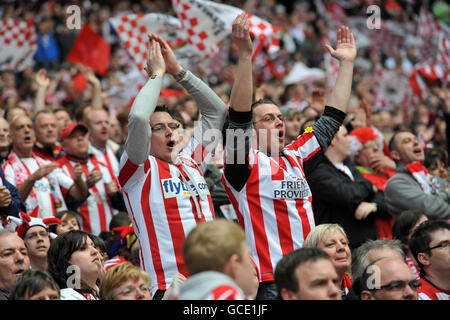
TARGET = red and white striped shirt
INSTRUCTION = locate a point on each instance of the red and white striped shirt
(430, 292)
(47, 193)
(108, 158)
(158, 197)
(270, 195)
(274, 206)
(96, 212)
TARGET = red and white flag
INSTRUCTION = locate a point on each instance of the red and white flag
(207, 23)
(434, 37)
(18, 44)
(435, 52)
(134, 28)
(423, 72)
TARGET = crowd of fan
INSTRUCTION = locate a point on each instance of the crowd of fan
(54, 135)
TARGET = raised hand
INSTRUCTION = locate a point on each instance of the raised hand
(5, 197)
(42, 79)
(77, 172)
(90, 77)
(155, 60)
(240, 34)
(345, 48)
(172, 66)
(93, 177)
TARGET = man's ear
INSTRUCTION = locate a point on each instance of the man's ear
(366, 295)
(231, 265)
(287, 294)
(423, 258)
(395, 155)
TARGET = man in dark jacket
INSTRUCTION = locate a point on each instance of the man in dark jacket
(340, 194)
(10, 201)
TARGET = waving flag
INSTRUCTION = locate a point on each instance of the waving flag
(207, 23)
(18, 44)
(92, 50)
(134, 28)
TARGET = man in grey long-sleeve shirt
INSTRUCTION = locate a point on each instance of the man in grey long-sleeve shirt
(406, 190)
(165, 192)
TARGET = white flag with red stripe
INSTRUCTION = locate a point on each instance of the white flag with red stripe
(207, 23)
(18, 44)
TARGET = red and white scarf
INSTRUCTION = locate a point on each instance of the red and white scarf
(22, 173)
(427, 182)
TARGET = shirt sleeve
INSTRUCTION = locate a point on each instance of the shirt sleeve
(139, 132)
(212, 109)
(237, 153)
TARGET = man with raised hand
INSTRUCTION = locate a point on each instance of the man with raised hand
(165, 192)
(266, 180)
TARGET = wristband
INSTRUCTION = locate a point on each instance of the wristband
(180, 75)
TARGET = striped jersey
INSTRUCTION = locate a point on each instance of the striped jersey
(96, 212)
(48, 192)
(274, 205)
(431, 292)
(108, 158)
(165, 201)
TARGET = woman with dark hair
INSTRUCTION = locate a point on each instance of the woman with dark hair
(76, 265)
(402, 230)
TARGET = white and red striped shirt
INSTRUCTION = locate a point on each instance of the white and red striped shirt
(274, 207)
(114, 262)
(47, 193)
(430, 292)
(158, 198)
(108, 158)
(96, 212)
(270, 195)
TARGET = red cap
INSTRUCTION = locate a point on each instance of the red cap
(67, 131)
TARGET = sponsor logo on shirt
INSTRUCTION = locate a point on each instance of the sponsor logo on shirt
(174, 187)
(289, 189)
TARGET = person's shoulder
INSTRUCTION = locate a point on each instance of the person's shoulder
(71, 294)
(225, 292)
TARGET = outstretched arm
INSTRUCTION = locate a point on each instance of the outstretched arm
(139, 131)
(43, 82)
(96, 87)
(346, 53)
(211, 107)
(240, 115)
(241, 94)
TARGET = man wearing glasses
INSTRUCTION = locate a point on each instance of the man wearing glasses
(430, 245)
(389, 279)
(266, 180)
(165, 192)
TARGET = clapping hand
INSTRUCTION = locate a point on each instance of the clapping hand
(171, 63)
(155, 60)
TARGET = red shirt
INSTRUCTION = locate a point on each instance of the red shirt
(430, 292)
